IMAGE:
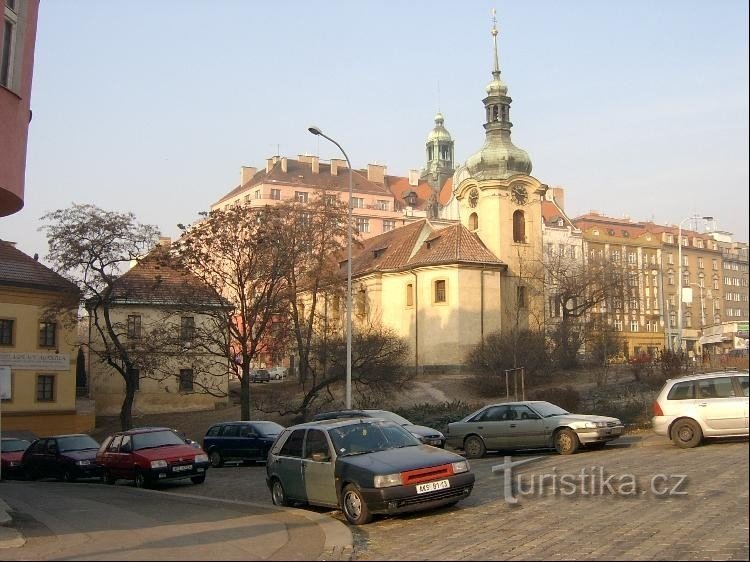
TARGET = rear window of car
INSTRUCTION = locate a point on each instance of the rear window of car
(744, 385)
(714, 388)
(155, 439)
(268, 428)
(681, 391)
(213, 431)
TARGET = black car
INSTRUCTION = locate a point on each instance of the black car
(363, 467)
(260, 375)
(242, 440)
(68, 457)
(426, 435)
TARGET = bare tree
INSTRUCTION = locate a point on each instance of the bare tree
(92, 248)
(240, 254)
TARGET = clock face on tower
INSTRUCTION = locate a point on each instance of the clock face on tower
(518, 194)
(473, 198)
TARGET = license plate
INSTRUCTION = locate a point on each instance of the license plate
(433, 486)
(181, 468)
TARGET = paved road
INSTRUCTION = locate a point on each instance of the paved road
(705, 518)
(91, 521)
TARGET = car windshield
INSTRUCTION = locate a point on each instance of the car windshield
(360, 438)
(385, 414)
(76, 443)
(156, 439)
(547, 410)
(13, 445)
(268, 428)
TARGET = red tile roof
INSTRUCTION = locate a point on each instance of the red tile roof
(19, 270)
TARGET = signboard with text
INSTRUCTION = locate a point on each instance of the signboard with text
(35, 360)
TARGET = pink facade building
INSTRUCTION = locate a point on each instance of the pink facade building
(17, 40)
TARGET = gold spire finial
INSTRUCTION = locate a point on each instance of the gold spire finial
(494, 22)
(496, 70)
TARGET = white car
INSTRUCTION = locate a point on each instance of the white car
(277, 373)
(688, 409)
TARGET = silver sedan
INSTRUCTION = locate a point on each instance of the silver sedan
(529, 425)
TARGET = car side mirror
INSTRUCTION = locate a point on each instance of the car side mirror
(321, 457)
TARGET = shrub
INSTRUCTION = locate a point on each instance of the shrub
(567, 398)
(439, 415)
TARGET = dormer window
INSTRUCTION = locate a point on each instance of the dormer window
(411, 198)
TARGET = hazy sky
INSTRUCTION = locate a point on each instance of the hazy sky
(635, 107)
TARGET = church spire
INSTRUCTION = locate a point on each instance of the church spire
(496, 71)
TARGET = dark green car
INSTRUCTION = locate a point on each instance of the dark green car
(364, 467)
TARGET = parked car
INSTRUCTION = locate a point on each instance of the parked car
(529, 425)
(260, 375)
(688, 409)
(364, 466)
(426, 435)
(11, 452)
(68, 457)
(243, 440)
(277, 373)
(149, 455)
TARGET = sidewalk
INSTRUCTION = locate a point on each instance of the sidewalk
(9, 537)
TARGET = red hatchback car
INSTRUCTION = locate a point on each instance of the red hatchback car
(11, 452)
(149, 455)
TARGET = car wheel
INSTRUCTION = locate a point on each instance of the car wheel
(215, 458)
(69, 475)
(687, 434)
(200, 479)
(566, 441)
(278, 495)
(141, 481)
(107, 477)
(474, 447)
(354, 507)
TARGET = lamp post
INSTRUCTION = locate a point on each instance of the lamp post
(679, 281)
(316, 131)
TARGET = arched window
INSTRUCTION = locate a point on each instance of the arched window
(519, 227)
(473, 221)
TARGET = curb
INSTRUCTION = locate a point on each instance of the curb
(9, 537)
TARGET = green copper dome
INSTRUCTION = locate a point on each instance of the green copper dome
(439, 132)
(499, 158)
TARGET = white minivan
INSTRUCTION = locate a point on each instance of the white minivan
(688, 409)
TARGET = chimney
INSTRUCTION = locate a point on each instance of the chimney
(337, 163)
(376, 173)
(413, 178)
(269, 163)
(246, 174)
(558, 193)
(314, 162)
(283, 164)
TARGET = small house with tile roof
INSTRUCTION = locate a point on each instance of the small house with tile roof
(38, 348)
(161, 310)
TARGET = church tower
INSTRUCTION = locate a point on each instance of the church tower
(500, 201)
(439, 147)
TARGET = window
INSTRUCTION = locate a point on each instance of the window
(6, 331)
(276, 194)
(316, 443)
(519, 227)
(47, 332)
(521, 296)
(389, 225)
(247, 199)
(685, 261)
(670, 279)
(382, 205)
(45, 388)
(134, 326)
(474, 222)
(714, 388)
(618, 325)
(358, 203)
(615, 256)
(681, 391)
(187, 329)
(440, 290)
(362, 224)
(361, 302)
(632, 258)
(293, 445)
(257, 194)
(634, 326)
(186, 380)
(9, 55)
(300, 196)
(700, 263)
(670, 259)
(330, 200)
(409, 294)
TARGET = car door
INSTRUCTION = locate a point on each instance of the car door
(741, 387)
(717, 403)
(229, 443)
(49, 458)
(287, 465)
(524, 428)
(113, 459)
(318, 469)
(489, 425)
(34, 459)
(249, 442)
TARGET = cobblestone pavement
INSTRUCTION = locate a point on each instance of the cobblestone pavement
(641, 499)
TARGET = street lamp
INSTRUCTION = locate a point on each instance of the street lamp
(316, 131)
(679, 281)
